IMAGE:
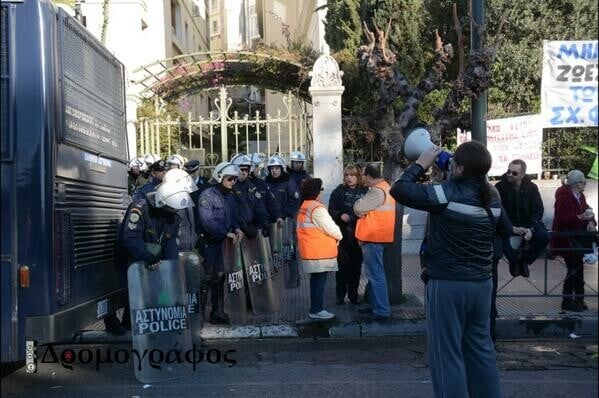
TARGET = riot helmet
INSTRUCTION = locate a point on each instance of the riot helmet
(224, 169)
(173, 195)
(297, 160)
(182, 178)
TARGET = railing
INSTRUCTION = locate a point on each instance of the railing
(279, 135)
(547, 291)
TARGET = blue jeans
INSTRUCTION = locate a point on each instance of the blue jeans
(461, 353)
(372, 254)
(317, 282)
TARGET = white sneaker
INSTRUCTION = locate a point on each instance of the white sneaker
(322, 315)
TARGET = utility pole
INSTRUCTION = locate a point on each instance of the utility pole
(478, 115)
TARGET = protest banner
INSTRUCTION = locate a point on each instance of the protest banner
(569, 84)
(512, 138)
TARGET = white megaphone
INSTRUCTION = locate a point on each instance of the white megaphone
(417, 141)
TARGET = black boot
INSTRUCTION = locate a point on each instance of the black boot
(204, 289)
(581, 304)
(570, 305)
(218, 315)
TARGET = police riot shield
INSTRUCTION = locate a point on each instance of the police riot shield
(159, 321)
(193, 276)
(261, 277)
(289, 254)
(275, 239)
(235, 303)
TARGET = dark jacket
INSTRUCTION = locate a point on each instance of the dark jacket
(461, 234)
(342, 202)
(271, 204)
(142, 191)
(286, 193)
(250, 208)
(188, 232)
(567, 209)
(298, 176)
(525, 206)
(217, 213)
(144, 223)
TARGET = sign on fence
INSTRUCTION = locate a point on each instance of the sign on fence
(569, 83)
(512, 138)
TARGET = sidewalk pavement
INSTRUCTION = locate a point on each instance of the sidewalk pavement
(519, 316)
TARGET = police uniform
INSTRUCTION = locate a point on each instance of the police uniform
(251, 211)
(217, 215)
(144, 190)
(271, 204)
(286, 194)
(145, 224)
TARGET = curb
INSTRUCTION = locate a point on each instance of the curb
(513, 328)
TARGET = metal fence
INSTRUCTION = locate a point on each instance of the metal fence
(216, 138)
(548, 289)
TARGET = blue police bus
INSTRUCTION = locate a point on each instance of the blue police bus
(63, 176)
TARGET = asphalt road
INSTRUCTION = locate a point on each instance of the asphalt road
(392, 367)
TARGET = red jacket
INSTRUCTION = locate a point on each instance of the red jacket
(565, 218)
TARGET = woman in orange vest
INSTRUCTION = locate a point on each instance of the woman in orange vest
(317, 239)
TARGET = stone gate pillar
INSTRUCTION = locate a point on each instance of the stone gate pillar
(326, 89)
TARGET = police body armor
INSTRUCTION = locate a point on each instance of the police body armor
(235, 302)
(191, 263)
(265, 292)
(159, 319)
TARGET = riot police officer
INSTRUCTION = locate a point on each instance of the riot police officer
(297, 169)
(218, 221)
(187, 236)
(250, 207)
(174, 162)
(268, 199)
(283, 188)
(149, 234)
(192, 167)
(157, 171)
(133, 171)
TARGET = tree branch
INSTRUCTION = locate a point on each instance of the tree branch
(458, 30)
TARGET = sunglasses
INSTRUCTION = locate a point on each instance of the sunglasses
(229, 179)
(514, 173)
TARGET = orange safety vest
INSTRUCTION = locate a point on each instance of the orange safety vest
(312, 242)
(378, 225)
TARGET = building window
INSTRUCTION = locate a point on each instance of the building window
(187, 43)
(213, 5)
(214, 28)
(176, 18)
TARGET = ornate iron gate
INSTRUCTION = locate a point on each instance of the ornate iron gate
(281, 134)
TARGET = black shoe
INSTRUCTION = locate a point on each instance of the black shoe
(354, 302)
(524, 271)
(514, 269)
(219, 318)
(580, 302)
(380, 318)
(365, 311)
(340, 301)
(113, 325)
(569, 305)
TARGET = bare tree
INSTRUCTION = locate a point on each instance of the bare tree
(381, 66)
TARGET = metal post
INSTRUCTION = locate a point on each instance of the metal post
(478, 116)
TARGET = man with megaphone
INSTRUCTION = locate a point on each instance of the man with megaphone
(464, 211)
